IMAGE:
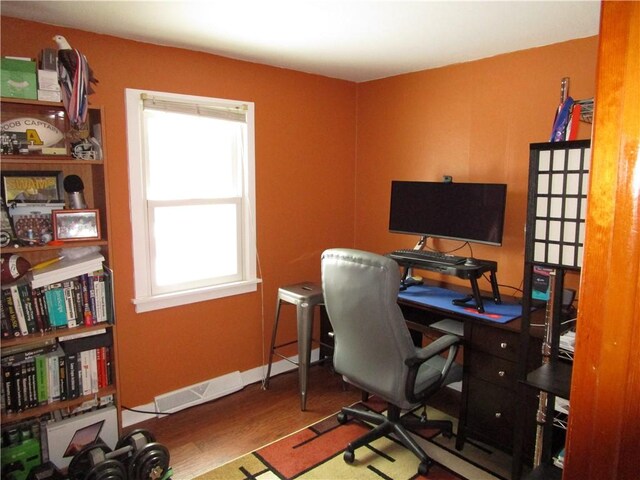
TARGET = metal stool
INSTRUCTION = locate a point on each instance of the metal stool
(305, 296)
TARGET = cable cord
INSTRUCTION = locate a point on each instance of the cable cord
(146, 411)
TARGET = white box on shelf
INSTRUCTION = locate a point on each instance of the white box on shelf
(49, 95)
(67, 437)
(48, 80)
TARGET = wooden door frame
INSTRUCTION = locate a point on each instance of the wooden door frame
(603, 439)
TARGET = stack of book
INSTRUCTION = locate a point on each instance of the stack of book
(75, 366)
(66, 294)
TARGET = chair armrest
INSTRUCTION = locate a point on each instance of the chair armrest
(434, 348)
(447, 342)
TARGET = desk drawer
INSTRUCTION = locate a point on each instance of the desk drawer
(490, 411)
(494, 341)
(492, 369)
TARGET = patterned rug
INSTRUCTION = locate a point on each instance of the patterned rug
(316, 453)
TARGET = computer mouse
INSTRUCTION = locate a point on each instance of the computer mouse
(471, 262)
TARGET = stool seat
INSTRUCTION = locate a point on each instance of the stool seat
(305, 296)
(299, 293)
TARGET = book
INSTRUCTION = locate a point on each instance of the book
(12, 317)
(17, 304)
(72, 376)
(54, 296)
(42, 380)
(40, 307)
(8, 388)
(70, 303)
(85, 369)
(65, 269)
(5, 326)
(27, 306)
(88, 317)
(62, 375)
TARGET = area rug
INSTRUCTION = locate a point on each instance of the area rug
(315, 453)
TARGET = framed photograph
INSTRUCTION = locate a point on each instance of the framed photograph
(71, 225)
(32, 222)
(35, 187)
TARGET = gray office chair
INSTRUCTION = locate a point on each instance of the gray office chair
(374, 350)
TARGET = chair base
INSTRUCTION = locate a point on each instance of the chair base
(395, 424)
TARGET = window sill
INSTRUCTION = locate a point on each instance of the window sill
(147, 304)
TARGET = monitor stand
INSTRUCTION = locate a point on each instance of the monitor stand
(408, 279)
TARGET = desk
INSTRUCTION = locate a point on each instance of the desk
(489, 386)
(489, 400)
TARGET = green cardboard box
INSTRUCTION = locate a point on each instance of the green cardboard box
(18, 78)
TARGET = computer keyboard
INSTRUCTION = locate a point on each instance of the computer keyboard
(427, 256)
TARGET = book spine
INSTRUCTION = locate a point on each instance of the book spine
(99, 287)
(32, 384)
(62, 375)
(11, 313)
(37, 310)
(21, 383)
(92, 297)
(70, 304)
(41, 379)
(17, 303)
(88, 316)
(93, 363)
(85, 365)
(109, 365)
(5, 325)
(42, 306)
(72, 375)
(53, 378)
(110, 307)
(100, 361)
(54, 295)
(9, 388)
(27, 306)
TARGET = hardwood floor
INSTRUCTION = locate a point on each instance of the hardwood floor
(203, 437)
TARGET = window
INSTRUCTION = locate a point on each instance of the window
(192, 198)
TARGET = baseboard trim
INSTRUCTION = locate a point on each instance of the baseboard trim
(213, 388)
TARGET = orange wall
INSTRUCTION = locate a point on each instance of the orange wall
(305, 151)
(326, 151)
(473, 121)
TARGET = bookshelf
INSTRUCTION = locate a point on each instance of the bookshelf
(93, 173)
(555, 229)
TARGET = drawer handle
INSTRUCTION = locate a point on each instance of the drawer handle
(498, 414)
(503, 345)
(501, 373)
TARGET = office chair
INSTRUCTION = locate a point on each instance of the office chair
(374, 350)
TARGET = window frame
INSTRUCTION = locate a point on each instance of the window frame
(142, 245)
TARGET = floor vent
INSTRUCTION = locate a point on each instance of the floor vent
(198, 393)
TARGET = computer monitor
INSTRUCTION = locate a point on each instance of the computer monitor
(471, 212)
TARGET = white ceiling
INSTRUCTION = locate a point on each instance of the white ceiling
(355, 40)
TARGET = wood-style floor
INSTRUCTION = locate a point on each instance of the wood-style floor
(203, 437)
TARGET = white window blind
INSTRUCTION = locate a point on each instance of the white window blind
(191, 163)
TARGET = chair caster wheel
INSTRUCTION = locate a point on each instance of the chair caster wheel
(349, 456)
(342, 418)
(423, 468)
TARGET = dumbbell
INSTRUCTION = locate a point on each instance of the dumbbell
(137, 457)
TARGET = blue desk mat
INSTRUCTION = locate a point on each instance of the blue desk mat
(441, 298)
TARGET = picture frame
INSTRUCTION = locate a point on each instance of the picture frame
(32, 186)
(76, 225)
(31, 222)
